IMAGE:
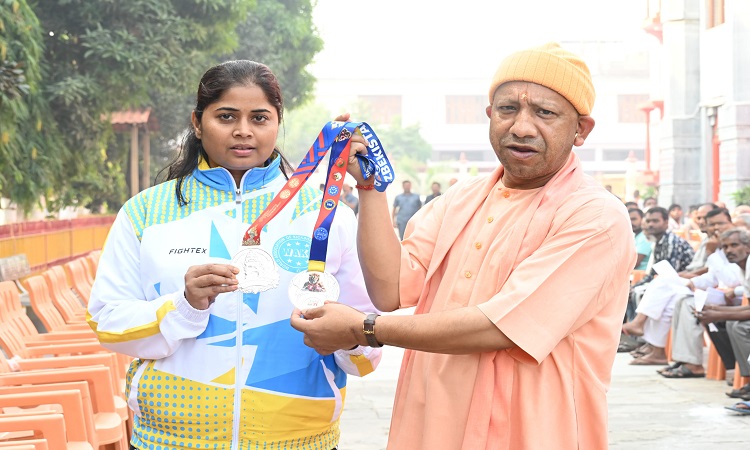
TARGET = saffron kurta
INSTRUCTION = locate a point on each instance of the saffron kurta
(555, 283)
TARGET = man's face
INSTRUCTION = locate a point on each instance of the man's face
(718, 224)
(407, 186)
(635, 221)
(735, 250)
(676, 214)
(649, 203)
(533, 130)
(435, 188)
(655, 225)
(700, 217)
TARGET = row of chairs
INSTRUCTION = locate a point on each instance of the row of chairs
(59, 389)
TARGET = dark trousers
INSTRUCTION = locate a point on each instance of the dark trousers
(720, 339)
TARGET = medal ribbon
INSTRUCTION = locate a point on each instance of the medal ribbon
(309, 163)
(337, 164)
(376, 161)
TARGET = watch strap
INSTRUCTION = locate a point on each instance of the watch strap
(368, 328)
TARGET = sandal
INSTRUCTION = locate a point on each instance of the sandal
(740, 393)
(670, 367)
(681, 372)
(741, 407)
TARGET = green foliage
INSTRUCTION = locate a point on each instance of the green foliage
(742, 196)
(28, 138)
(65, 65)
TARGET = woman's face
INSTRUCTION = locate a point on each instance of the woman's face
(239, 130)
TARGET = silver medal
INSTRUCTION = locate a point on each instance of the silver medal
(311, 289)
(258, 271)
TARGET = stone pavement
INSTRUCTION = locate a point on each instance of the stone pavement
(646, 411)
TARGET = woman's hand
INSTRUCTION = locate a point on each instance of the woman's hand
(203, 283)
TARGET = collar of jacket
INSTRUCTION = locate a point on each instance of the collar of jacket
(220, 178)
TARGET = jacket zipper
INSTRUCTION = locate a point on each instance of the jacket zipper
(238, 353)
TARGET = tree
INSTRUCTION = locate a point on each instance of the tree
(29, 143)
(109, 55)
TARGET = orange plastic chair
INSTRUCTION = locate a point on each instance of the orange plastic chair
(636, 276)
(79, 278)
(44, 308)
(79, 362)
(108, 422)
(98, 436)
(63, 298)
(13, 316)
(51, 427)
(715, 369)
(72, 405)
(30, 444)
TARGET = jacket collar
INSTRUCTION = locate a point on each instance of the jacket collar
(220, 178)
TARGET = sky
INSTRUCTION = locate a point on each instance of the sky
(418, 37)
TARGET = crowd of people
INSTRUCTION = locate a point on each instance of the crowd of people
(689, 282)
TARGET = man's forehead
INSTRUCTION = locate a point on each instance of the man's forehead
(533, 92)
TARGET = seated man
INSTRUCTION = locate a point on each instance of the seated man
(642, 245)
(727, 272)
(655, 310)
(668, 247)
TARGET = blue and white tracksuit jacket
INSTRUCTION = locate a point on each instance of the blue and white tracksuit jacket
(237, 375)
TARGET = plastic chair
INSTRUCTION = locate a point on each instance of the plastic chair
(63, 298)
(44, 308)
(51, 427)
(72, 404)
(109, 424)
(636, 276)
(79, 278)
(26, 444)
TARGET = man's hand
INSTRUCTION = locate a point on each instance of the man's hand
(358, 145)
(203, 283)
(709, 314)
(330, 327)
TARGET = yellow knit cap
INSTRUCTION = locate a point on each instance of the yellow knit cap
(553, 67)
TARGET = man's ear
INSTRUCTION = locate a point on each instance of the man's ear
(488, 111)
(585, 125)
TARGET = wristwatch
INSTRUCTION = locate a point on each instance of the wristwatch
(368, 328)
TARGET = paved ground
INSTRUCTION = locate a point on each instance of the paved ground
(646, 411)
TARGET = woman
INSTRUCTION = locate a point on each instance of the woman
(216, 367)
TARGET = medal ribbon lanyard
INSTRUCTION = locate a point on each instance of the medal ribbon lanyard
(374, 163)
(309, 163)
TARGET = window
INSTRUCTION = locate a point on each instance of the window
(628, 111)
(382, 109)
(465, 109)
(714, 13)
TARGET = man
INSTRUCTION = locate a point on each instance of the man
(656, 308)
(519, 279)
(736, 246)
(435, 192)
(642, 244)
(649, 202)
(727, 272)
(675, 217)
(742, 221)
(667, 247)
(707, 246)
(404, 206)
(349, 198)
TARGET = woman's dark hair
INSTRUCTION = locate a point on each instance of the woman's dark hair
(214, 83)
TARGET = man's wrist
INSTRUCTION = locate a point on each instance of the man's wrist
(368, 329)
